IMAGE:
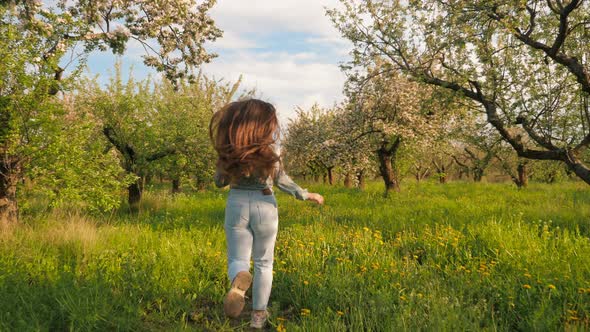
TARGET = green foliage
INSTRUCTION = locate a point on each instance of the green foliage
(454, 257)
(183, 113)
(41, 136)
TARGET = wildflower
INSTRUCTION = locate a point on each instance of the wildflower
(528, 275)
(281, 328)
(305, 312)
(340, 313)
(403, 298)
(305, 282)
(551, 286)
(281, 319)
(526, 286)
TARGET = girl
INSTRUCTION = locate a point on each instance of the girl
(244, 134)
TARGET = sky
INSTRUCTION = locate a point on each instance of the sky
(288, 50)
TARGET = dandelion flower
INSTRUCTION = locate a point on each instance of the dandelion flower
(551, 286)
(340, 313)
(526, 286)
(305, 312)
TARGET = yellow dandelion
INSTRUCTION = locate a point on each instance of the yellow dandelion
(551, 286)
(281, 328)
(340, 313)
(305, 282)
(526, 286)
(528, 275)
(403, 298)
(281, 319)
(305, 312)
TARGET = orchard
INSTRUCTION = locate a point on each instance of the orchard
(454, 161)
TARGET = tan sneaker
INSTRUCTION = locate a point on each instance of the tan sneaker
(259, 319)
(234, 300)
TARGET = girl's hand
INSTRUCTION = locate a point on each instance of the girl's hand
(317, 198)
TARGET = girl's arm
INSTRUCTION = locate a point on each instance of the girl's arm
(287, 185)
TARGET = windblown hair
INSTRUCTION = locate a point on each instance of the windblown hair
(243, 133)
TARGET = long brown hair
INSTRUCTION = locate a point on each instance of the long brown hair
(243, 133)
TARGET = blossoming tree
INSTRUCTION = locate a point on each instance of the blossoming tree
(36, 39)
(523, 63)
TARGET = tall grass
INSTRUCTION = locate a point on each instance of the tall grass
(437, 257)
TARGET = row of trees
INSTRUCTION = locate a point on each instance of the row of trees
(80, 142)
(473, 84)
(518, 71)
(324, 143)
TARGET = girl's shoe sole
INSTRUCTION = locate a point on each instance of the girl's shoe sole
(234, 300)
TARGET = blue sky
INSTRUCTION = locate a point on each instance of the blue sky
(287, 50)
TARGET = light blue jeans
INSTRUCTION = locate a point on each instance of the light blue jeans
(251, 225)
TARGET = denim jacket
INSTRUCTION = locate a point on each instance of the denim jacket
(281, 180)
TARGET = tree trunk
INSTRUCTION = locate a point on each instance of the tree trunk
(360, 176)
(442, 175)
(386, 169)
(201, 186)
(134, 190)
(578, 167)
(347, 180)
(477, 174)
(523, 176)
(176, 186)
(330, 176)
(9, 176)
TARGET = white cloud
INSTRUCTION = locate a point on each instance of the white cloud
(232, 40)
(284, 75)
(266, 16)
(283, 80)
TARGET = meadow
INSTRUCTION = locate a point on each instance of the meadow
(460, 256)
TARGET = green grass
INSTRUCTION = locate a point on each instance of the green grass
(454, 257)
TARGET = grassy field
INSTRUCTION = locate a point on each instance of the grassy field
(454, 257)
